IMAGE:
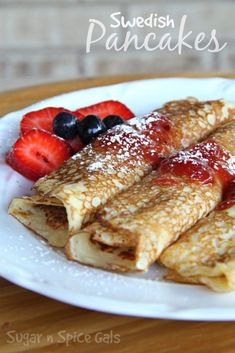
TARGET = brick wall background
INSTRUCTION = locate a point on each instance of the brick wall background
(44, 40)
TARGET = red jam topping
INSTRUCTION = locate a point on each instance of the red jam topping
(142, 138)
(219, 159)
(155, 126)
(166, 182)
(202, 163)
(228, 197)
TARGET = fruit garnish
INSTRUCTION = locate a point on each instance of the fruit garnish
(65, 125)
(112, 120)
(104, 109)
(90, 127)
(19, 167)
(40, 119)
(37, 153)
(49, 136)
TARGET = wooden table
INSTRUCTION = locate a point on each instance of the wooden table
(31, 322)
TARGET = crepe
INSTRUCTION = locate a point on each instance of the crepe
(134, 241)
(137, 226)
(45, 217)
(206, 253)
(117, 160)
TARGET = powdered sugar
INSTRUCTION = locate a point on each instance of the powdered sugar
(231, 165)
(143, 122)
(127, 142)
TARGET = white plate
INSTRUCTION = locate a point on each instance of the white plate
(28, 261)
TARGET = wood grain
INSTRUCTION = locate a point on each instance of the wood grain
(23, 312)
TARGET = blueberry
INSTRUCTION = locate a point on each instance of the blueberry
(113, 120)
(90, 127)
(65, 125)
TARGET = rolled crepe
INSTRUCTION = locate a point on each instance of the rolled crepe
(120, 158)
(206, 253)
(45, 217)
(138, 225)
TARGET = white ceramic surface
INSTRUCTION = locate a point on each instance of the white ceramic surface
(28, 261)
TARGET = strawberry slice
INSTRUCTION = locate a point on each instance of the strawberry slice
(22, 169)
(37, 153)
(105, 108)
(40, 119)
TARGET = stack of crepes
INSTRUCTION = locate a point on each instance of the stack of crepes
(131, 231)
(72, 197)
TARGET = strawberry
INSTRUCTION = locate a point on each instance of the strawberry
(104, 109)
(40, 119)
(37, 153)
(23, 170)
